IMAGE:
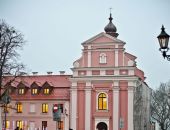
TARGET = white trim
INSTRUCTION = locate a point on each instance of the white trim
(75, 73)
(89, 57)
(101, 119)
(123, 58)
(116, 58)
(87, 109)
(66, 112)
(102, 72)
(116, 72)
(130, 108)
(73, 109)
(102, 58)
(89, 73)
(131, 72)
(103, 34)
(116, 106)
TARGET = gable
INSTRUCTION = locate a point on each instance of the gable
(103, 38)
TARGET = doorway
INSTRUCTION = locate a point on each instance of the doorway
(101, 126)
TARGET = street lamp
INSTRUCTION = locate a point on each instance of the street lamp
(163, 39)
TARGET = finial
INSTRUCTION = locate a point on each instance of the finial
(110, 18)
(163, 29)
(110, 10)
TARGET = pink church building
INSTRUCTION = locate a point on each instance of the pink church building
(99, 95)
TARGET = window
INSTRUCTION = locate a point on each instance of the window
(46, 91)
(44, 108)
(34, 91)
(7, 124)
(32, 108)
(20, 124)
(44, 125)
(19, 107)
(102, 58)
(102, 101)
(60, 125)
(21, 91)
(32, 125)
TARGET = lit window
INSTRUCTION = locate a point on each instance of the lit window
(60, 125)
(21, 91)
(46, 91)
(20, 124)
(19, 107)
(102, 101)
(102, 58)
(7, 124)
(44, 108)
(34, 91)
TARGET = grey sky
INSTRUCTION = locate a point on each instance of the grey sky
(55, 29)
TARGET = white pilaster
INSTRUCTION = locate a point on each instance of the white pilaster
(130, 107)
(89, 56)
(116, 105)
(73, 105)
(66, 114)
(87, 106)
(116, 55)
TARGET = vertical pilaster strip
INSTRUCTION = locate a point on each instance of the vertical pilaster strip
(88, 106)
(73, 106)
(89, 56)
(116, 56)
(116, 105)
(130, 106)
(66, 119)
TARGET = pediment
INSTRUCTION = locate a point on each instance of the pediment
(103, 38)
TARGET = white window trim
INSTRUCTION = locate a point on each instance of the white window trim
(102, 58)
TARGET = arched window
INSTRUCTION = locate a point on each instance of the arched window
(102, 58)
(102, 101)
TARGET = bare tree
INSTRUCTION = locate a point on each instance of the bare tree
(11, 41)
(160, 105)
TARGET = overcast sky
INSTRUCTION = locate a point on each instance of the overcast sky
(55, 29)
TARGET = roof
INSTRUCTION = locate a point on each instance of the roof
(40, 80)
(114, 39)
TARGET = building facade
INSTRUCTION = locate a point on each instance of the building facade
(99, 95)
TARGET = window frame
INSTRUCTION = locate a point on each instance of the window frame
(33, 91)
(102, 100)
(20, 124)
(19, 107)
(21, 91)
(102, 58)
(45, 91)
(45, 108)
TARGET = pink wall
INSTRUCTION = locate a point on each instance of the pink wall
(81, 107)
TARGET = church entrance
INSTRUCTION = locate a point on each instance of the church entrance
(101, 126)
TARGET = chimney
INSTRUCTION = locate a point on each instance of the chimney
(49, 72)
(34, 73)
(62, 72)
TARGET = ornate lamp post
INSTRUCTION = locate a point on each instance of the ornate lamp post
(163, 39)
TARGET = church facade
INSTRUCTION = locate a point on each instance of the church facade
(99, 95)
